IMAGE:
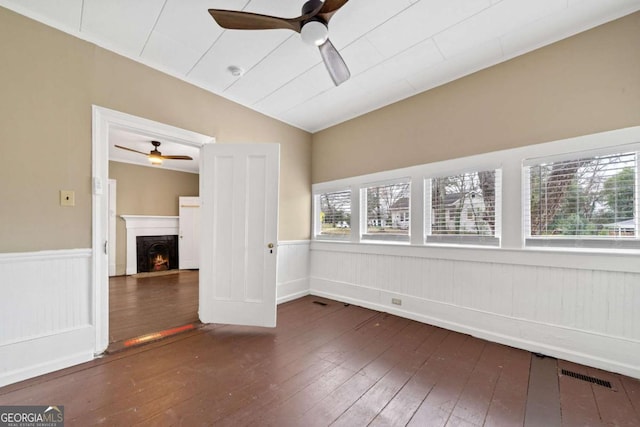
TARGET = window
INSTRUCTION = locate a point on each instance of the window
(587, 201)
(387, 214)
(463, 208)
(335, 215)
(577, 193)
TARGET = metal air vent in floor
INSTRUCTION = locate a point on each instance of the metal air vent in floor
(587, 378)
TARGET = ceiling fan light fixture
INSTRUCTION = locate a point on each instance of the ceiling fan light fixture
(314, 33)
(155, 160)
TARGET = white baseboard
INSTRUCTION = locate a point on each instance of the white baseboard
(38, 356)
(601, 351)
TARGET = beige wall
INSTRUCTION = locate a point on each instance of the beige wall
(585, 84)
(144, 190)
(48, 82)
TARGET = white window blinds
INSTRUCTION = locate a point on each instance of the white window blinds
(335, 214)
(388, 208)
(585, 200)
(465, 208)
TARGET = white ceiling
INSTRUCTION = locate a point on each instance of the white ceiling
(394, 48)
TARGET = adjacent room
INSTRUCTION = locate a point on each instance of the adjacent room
(411, 212)
(154, 217)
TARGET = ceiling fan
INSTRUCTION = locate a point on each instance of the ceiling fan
(155, 156)
(312, 26)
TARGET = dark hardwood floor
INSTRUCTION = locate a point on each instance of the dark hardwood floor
(139, 306)
(332, 364)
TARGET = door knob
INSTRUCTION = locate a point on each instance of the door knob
(270, 245)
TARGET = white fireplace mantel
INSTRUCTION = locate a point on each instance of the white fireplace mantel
(146, 225)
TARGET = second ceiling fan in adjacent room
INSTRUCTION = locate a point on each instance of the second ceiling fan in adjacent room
(155, 156)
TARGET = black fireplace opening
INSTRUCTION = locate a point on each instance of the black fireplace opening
(157, 253)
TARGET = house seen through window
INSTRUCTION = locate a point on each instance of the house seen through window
(388, 208)
(463, 208)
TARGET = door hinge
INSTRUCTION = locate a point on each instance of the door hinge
(106, 246)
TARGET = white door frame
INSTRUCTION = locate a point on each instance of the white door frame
(104, 120)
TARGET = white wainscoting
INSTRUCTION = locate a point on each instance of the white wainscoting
(293, 270)
(579, 307)
(46, 314)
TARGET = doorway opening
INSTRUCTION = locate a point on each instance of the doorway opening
(144, 291)
(144, 306)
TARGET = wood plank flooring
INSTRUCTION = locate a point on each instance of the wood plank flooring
(333, 364)
(139, 306)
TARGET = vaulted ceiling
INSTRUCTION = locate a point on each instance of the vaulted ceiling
(394, 48)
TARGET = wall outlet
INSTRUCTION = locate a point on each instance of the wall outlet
(67, 198)
(396, 301)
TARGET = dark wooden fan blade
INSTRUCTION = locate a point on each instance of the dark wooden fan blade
(329, 8)
(336, 66)
(236, 20)
(176, 157)
(131, 149)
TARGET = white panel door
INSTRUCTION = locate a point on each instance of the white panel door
(239, 228)
(189, 235)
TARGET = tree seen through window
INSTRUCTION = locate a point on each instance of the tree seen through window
(592, 196)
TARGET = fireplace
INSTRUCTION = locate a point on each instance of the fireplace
(146, 225)
(156, 253)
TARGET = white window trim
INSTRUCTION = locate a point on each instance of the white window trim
(364, 214)
(510, 162)
(636, 213)
(583, 153)
(317, 209)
